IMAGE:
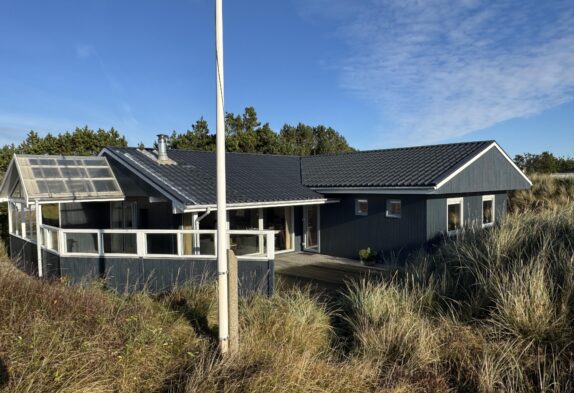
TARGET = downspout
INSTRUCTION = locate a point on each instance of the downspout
(198, 219)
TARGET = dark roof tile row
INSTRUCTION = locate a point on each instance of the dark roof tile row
(267, 178)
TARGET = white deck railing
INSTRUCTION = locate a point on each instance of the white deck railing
(156, 243)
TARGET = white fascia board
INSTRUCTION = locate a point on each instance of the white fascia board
(483, 152)
(50, 201)
(375, 190)
(512, 163)
(22, 184)
(178, 207)
(254, 205)
(6, 175)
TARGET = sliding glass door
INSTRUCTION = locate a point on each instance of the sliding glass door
(279, 220)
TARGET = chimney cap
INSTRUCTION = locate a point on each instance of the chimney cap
(162, 148)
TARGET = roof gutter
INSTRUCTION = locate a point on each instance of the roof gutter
(255, 205)
(375, 190)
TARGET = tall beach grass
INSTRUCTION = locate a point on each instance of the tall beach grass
(490, 311)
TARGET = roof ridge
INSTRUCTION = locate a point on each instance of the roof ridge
(227, 152)
(400, 148)
(326, 154)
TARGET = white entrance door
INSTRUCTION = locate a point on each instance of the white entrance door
(311, 228)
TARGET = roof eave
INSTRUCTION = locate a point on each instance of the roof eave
(375, 190)
(261, 204)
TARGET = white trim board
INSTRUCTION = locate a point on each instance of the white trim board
(178, 207)
(255, 205)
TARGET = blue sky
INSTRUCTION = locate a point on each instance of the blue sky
(384, 73)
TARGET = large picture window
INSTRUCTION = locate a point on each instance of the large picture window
(454, 215)
(487, 210)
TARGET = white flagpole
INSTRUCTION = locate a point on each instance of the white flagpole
(223, 309)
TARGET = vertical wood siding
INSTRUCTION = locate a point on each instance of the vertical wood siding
(490, 172)
(343, 233)
(436, 211)
(136, 274)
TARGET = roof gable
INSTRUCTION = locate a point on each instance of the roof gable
(251, 178)
(490, 170)
(43, 178)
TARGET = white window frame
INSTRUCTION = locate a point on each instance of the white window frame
(488, 198)
(455, 201)
(358, 202)
(390, 215)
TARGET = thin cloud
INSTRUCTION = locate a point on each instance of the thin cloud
(439, 69)
(15, 126)
(84, 51)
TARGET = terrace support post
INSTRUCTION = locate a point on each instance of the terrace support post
(22, 216)
(233, 302)
(39, 238)
(223, 309)
(10, 208)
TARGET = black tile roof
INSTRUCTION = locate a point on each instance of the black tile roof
(267, 178)
(421, 166)
(250, 177)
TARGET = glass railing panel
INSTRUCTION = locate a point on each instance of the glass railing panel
(120, 243)
(198, 244)
(82, 243)
(55, 241)
(247, 244)
(161, 243)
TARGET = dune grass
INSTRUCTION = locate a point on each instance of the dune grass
(491, 311)
(547, 192)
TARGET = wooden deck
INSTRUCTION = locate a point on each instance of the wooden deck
(324, 270)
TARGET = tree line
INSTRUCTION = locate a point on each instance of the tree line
(80, 142)
(545, 162)
(244, 133)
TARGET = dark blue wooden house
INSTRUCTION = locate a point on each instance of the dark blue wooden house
(138, 217)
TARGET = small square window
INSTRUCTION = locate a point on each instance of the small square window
(454, 220)
(394, 208)
(487, 210)
(361, 207)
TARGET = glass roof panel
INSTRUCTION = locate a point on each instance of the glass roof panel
(68, 178)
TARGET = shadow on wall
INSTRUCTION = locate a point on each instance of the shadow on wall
(4, 376)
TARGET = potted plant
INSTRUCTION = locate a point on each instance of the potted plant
(367, 256)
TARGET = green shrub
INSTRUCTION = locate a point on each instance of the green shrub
(367, 255)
